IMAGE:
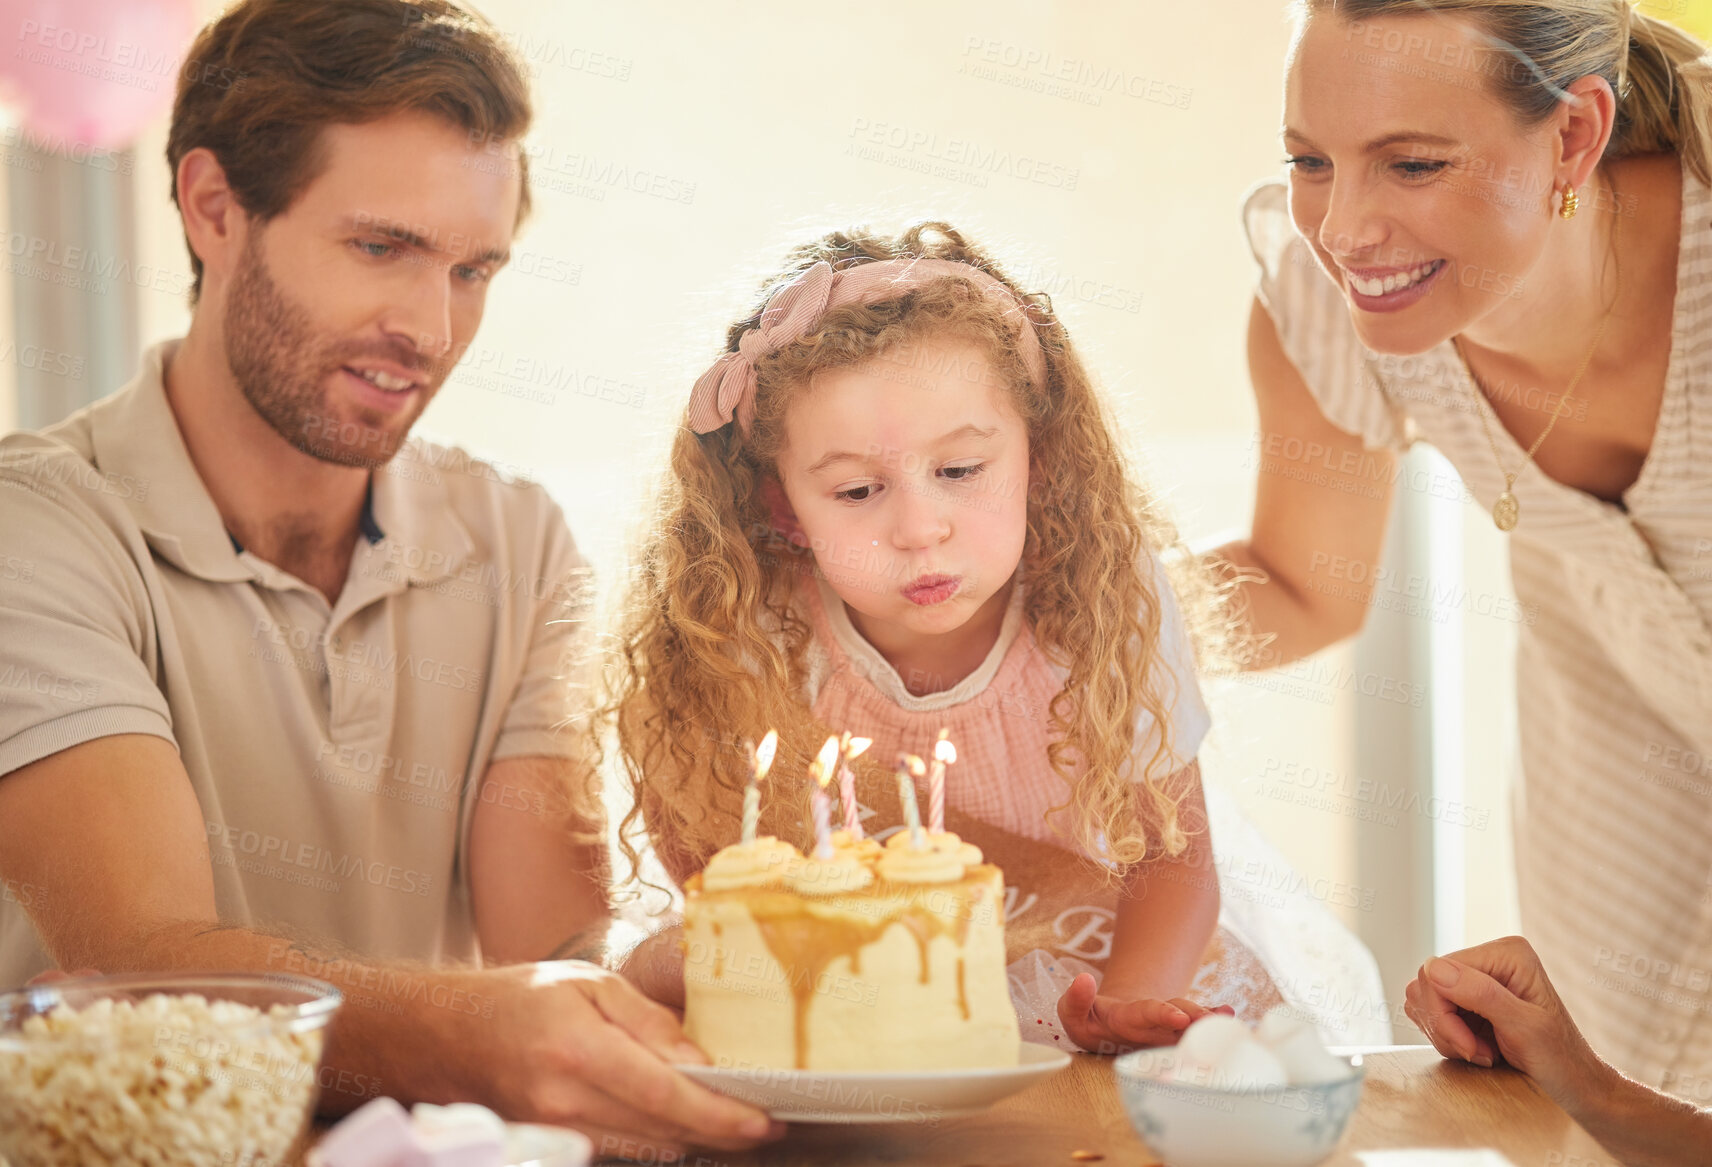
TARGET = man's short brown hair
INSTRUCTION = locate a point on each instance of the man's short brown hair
(261, 82)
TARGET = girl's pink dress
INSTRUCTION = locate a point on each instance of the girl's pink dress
(1280, 944)
(998, 716)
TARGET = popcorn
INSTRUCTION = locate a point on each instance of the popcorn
(167, 1081)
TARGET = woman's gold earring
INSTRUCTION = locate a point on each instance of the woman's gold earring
(1571, 201)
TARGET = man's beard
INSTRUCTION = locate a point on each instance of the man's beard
(283, 368)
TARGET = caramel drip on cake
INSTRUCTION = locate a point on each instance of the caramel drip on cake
(805, 943)
(962, 990)
(922, 936)
(718, 952)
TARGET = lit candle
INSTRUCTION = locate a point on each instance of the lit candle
(910, 768)
(854, 747)
(822, 768)
(944, 753)
(763, 761)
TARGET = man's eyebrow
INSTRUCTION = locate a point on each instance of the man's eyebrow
(402, 234)
(958, 434)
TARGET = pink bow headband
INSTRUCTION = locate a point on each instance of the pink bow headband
(727, 390)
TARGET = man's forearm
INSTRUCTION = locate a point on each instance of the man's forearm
(1645, 1128)
(390, 1035)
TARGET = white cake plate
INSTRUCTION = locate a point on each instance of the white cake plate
(869, 1096)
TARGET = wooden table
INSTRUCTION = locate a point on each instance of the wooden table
(1413, 1101)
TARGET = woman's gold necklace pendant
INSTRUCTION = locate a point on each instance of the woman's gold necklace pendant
(1506, 511)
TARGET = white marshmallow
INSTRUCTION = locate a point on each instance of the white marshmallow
(1210, 1038)
(428, 1118)
(1248, 1065)
(1306, 1060)
(1278, 1024)
(460, 1135)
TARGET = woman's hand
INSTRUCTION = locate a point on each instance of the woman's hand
(1492, 1003)
(1111, 1025)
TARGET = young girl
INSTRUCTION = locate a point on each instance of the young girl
(898, 508)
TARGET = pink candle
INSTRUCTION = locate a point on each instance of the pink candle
(944, 753)
(822, 825)
(822, 768)
(847, 792)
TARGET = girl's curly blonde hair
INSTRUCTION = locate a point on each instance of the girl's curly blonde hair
(711, 651)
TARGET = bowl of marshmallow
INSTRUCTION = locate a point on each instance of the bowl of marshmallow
(1229, 1096)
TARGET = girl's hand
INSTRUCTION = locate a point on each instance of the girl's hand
(1111, 1025)
(1492, 1003)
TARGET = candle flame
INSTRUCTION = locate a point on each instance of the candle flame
(826, 764)
(913, 764)
(944, 751)
(764, 754)
(859, 746)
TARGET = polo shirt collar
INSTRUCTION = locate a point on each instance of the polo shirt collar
(423, 539)
(134, 433)
(407, 519)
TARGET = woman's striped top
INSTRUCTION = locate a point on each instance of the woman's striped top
(1614, 659)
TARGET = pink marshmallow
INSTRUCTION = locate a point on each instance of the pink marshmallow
(376, 1135)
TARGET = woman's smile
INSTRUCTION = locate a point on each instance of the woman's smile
(1391, 289)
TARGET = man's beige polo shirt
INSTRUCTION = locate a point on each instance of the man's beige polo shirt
(336, 753)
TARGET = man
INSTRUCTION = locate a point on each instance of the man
(285, 686)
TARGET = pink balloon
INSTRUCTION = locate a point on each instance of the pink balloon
(92, 73)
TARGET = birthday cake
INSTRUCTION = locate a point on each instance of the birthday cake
(856, 957)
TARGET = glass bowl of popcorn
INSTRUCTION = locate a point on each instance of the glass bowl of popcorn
(215, 1069)
(1229, 1096)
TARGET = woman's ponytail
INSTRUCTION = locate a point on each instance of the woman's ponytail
(1665, 103)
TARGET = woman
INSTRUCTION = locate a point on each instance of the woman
(1494, 1003)
(1496, 236)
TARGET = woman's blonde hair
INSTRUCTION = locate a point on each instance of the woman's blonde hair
(1660, 74)
(711, 653)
